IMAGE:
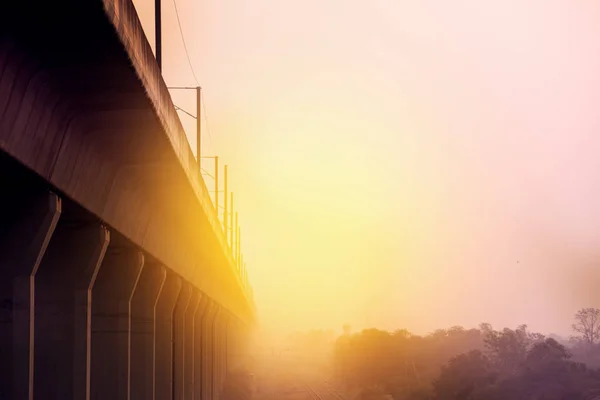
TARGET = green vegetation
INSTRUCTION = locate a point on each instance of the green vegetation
(472, 364)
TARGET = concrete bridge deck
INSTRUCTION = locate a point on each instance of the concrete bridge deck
(105, 221)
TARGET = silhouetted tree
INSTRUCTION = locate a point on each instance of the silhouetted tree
(546, 354)
(463, 364)
(587, 325)
(463, 376)
(508, 348)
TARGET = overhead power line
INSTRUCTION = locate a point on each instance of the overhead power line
(207, 173)
(189, 60)
(182, 110)
(184, 44)
(206, 119)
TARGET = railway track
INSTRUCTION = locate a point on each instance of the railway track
(324, 394)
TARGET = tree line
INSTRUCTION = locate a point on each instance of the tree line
(472, 364)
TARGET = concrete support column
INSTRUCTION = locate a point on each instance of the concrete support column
(222, 365)
(25, 232)
(230, 347)
(231, 391)
(216, 361)
(188, 337)
(63, 302)
(198, 321)
(143, 310)
(235, 346)
(207, 351)
(111, 323)
(163, 389)
(179, 339)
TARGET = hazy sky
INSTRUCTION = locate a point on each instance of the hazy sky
(402, 163)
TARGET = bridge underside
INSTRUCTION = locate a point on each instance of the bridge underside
(115, 278)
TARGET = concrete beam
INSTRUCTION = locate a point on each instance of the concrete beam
(143, 311)
(165, 308)
(22, 246)
(111, 323)
(63, 301)
(179, 340)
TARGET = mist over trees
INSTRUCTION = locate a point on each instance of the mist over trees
(472, 364)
